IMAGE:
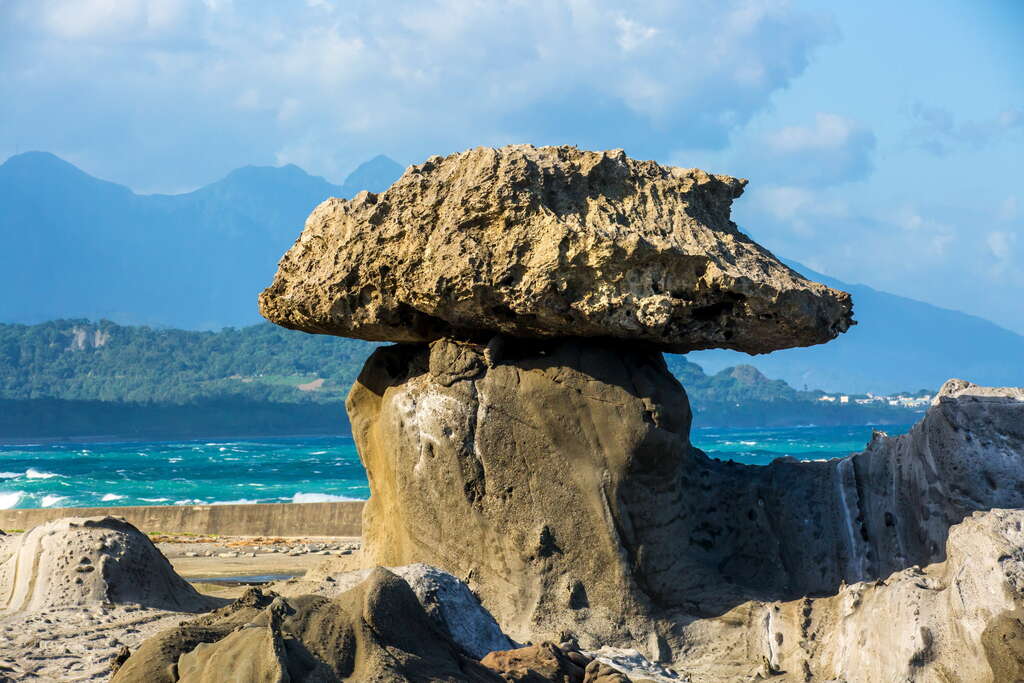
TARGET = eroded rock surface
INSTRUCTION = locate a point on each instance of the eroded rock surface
(377, 632)
(81, 561)
(558, 480)
(76, 593)
(532, 471)
(448, 602)
(548, 242)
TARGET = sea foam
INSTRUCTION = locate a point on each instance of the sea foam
(319, 498)
(10, 499)
(33, 473)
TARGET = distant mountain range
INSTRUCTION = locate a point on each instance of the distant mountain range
(898, 344)
(74, 246)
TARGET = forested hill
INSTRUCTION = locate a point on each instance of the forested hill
(77, 372)
(79, 360)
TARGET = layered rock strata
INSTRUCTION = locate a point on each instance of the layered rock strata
(548, 242)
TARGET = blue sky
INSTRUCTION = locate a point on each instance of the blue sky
(883, 141)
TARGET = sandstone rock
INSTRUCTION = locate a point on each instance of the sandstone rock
(448, 602)
(529, 477)
(548, 242)
(92, 560)
(375, 632)
(599, 672)
(558, 479)
(534, 664)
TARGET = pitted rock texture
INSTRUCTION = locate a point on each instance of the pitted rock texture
(548, 242)
(87, 561)
(523, 469)
(557, 479)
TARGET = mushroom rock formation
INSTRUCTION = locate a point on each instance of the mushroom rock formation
(528, 438)
(548, 242)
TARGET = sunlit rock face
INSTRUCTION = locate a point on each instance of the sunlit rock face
(548, 242)
(527, 437)
(557, 478)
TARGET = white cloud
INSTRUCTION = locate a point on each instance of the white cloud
(238, 83)
(831, 150)
(1001, 244)
(632, 34)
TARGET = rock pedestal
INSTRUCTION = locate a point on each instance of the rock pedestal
(534, 471)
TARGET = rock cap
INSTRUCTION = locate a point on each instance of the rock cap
(541, 242)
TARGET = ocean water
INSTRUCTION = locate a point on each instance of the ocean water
(294, 469)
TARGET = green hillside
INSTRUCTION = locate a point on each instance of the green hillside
(76, 377)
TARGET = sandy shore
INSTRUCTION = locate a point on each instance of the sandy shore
(234, 562)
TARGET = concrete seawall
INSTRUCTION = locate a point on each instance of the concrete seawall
(265, 519)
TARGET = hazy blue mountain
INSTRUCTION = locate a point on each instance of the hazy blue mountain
(76, 246)
(898, 344)
(375, 175)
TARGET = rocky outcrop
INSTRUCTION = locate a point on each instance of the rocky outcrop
(81, 561)
(534, 471)
(558, 480)
(548, 242)
(377, 631)
(448, 602)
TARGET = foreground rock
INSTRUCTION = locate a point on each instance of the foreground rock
(558, 480)
(79, 561)
(448, 602)
(548, 242)
(75, 593)
(377, 631)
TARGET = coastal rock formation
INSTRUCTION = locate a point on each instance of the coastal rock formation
(961, 619)
(558, 480)
(548, 242)
(80, 561)
(76, 593)
(377, 631)
(532, 470)
(528, 438)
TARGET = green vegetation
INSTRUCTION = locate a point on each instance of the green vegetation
(79, 360)
(78, 378)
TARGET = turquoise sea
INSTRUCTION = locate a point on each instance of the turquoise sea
(294, 469)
